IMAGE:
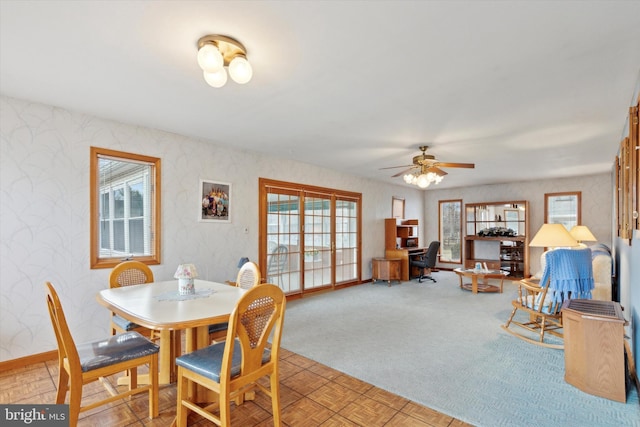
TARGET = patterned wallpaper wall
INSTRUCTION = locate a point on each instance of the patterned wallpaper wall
(44, 208)
(596, 204)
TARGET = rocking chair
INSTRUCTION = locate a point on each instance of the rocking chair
(568, 274)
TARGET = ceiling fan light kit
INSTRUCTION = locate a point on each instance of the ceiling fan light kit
(425, 169)
(215, 52)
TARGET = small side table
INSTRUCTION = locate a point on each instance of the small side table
(386, 269)
(483, 275)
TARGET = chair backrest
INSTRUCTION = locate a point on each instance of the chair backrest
(277, 260)
(258, 315)
(568, 273)
(130, 273)
(432, 254)
(248, 276)
(66, 346)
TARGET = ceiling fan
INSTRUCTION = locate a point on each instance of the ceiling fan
(425, 163)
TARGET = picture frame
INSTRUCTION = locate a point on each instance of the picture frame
(215, 201)
(397, 207)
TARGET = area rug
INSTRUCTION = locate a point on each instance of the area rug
(442, 347)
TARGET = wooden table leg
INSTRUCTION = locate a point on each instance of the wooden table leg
(474, 284)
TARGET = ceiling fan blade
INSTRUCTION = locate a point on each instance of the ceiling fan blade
(395, 167)
(437, 171)
(456, 165)
(403, 172)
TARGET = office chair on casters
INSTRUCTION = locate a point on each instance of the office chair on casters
(427, 261)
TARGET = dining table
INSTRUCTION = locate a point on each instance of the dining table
(160, 306)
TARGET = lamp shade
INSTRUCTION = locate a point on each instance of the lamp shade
(217, 79)
(240, 70)
(582, 234)
(209, 58)
(186, 271)
(553, 236)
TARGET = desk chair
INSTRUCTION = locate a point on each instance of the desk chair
(89, 362)
(427, 261)
(232, 367)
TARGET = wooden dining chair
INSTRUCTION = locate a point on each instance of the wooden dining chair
(232, 367)
(248, 277)
(89, 362)
(129, 273)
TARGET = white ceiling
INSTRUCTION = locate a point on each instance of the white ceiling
(523, 89)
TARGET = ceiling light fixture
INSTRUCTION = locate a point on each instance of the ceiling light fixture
(423, 178)
(216, 52)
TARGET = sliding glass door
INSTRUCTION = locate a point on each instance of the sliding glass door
(309, 236)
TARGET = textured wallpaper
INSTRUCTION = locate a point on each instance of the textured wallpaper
(44, 208)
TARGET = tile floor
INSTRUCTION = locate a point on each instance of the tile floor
(311, 395)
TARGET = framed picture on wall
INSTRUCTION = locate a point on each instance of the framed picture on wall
(215, 201)
(397, 207)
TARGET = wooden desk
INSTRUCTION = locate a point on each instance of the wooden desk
(140, 304)
(404, 254)
(476, 287)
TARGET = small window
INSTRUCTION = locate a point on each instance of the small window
(563, 208)
(125, 208)
(450, 231)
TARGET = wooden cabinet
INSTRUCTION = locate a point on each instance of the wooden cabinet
(594, 347)
(497, 233)
(386, 269)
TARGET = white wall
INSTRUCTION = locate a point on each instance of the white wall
(596, 205)
(44, 214)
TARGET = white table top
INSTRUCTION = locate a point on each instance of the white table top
(139, 304)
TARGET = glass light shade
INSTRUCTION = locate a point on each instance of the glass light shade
(210, 59)
(240, 70)
(582, 234)
(408, 178)
(553, 236)
(217, 79)
(423, 181)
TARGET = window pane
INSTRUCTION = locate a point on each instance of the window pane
(450, 231)
(136, 198)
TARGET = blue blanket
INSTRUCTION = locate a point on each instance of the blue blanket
(570, 274)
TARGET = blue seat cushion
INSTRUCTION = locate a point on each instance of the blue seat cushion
(218, 327)
(123, 323)
(116, 349)
(208, 361)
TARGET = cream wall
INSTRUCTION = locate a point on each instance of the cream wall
(596, 205)
(44, 211)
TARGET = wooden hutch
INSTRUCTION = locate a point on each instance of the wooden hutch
(497, 234)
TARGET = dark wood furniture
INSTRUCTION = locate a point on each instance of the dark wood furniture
(487, 240)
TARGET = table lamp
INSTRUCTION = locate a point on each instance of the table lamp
(553, 236)
(186, 273)
(582, 234)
